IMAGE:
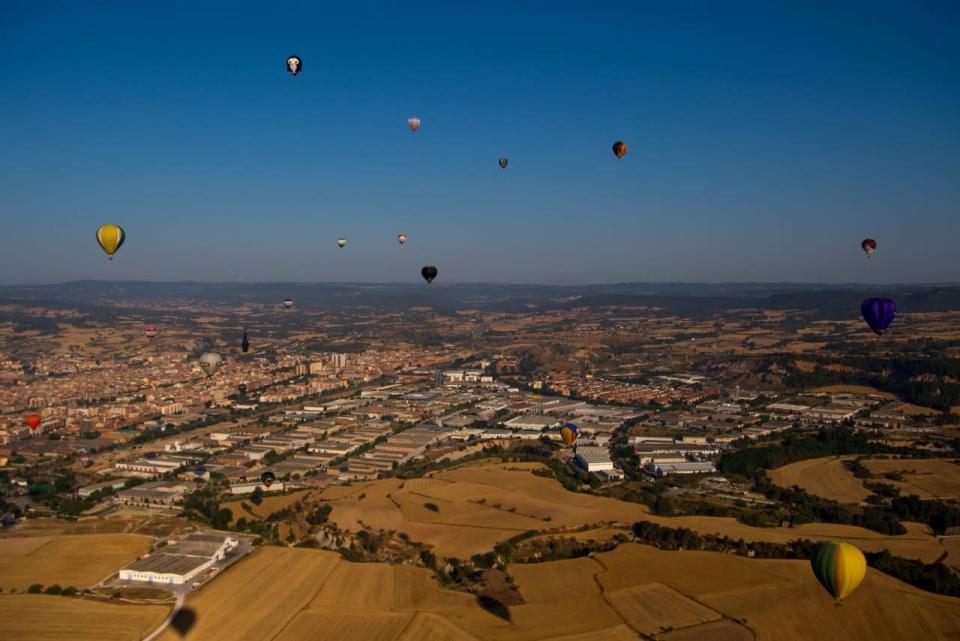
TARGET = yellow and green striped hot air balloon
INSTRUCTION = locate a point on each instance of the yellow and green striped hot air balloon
(840, 567)
(110, 238)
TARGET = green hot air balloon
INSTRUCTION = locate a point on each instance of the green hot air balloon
(840, 567)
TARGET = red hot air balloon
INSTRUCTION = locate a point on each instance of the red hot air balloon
(869, 245)
(879, 313)
(33, 421)
(619, 149)
(414, 123)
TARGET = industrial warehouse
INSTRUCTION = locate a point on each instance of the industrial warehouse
(180, 562)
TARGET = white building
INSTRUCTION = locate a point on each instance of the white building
(178, 563)
(666, 469)
(594, 459)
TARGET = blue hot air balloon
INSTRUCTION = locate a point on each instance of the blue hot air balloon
(879, 313)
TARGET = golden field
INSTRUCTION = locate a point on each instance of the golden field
(479, 505)
(827, 478)
(927, 478)
(39, 617)
(78, 560)
(469, 520)
(292, 594)
(823, 477)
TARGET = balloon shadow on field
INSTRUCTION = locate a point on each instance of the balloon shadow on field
(183, 620)
(494, 607)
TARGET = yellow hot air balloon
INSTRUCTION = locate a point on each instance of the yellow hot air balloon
(110, 238)
(840, 567)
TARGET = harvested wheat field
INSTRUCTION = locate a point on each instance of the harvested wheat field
(927, 478)
(781, 599)
(268, 506)
(917, 543)
(39, 617)
(823, 477)
(77, 560)
(476, 506)
(479, 505)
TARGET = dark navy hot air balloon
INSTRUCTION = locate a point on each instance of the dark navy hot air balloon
(245, 343)
(879, 313)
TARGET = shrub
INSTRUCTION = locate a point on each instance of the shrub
(36, 588)
(53, 589)
(433, 507)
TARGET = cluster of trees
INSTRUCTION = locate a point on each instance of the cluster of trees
(939, 515)
(37, 588)
(828, 441)
(204, 505)
(806, 508)
(933, 577)
(899, 374)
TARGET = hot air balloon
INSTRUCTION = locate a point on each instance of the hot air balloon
(294, 65)
(85, 461)
(402, 238)
(429, 273)
(245, 344)
(569, 434)
(869, 245)
(150, 332)
(342, 242)
(110, 238)
(839, 566)
(210, 362)
(242, 388)
(288, 303)
(267, 478)
(33, 421)
(619, 149)
(879, 313)
(414, 123)
(503, 163)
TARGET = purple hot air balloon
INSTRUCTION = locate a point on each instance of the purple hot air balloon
(879, 313)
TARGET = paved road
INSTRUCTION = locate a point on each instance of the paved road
(163, 626)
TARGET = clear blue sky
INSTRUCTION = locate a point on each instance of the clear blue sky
(766, 140)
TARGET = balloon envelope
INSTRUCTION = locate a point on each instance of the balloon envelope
(242, 388)
(429, 273)
(33, 421)
(294, 65)
(288, 303)
(110, 238)
(402, 238)
(619, 149)
(413, 123)
(210, 362)
(879, 313)
(840, 567)
(267, 478)
(341, 242)
(150, 332)
(503, 163)
(245, 344)
(569, 433)
(869, 245)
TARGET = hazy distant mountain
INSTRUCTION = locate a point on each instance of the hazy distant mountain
(685, 298)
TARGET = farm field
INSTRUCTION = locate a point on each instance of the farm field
(269, 505)
(927, 478)
(39, 617)
(69, 560)
(823, 477)
(474, 504)
(855, 389)
(291, 594)
(477, 506)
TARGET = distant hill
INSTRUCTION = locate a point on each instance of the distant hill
(825, 301)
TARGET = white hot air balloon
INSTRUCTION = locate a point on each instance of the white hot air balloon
(210, 362)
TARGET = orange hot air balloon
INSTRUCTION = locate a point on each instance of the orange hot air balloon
(33, 421)
(619, 149)
(413, 123)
